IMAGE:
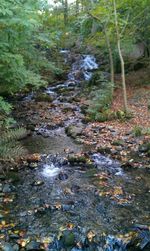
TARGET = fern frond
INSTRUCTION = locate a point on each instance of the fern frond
(14, 134)
(10, 148)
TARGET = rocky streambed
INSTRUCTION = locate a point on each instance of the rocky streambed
(66, 195)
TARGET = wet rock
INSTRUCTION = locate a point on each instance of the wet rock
(33, 245)
(38, 183)
(74, 131)
(68, 239)
(14, 236)
(104, 150)
(68, 107)
(13, 176)
(16, 247)
(33, 165)
(33, 158)
(127, 166)
(114, 152)
(119, 148)
(63, 176)
(2, 177)
(44, 97)
(6, 247)
(144, 147)
(75, 188)
(6, 188)
(23, 214)
(1, 216)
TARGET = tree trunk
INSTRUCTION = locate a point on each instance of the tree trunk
(121, 58)
(77, 7)
(65, 3)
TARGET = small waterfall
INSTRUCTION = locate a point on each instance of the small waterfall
(82, 68)
(50, 171)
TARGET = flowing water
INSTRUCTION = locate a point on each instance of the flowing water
(60, 203)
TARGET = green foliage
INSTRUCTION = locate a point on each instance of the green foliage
(23, 44)
(137, 131)
(5, 109)
(10, 147)
(101, 100)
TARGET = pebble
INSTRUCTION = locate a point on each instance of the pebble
(33, 165)
(38, 183)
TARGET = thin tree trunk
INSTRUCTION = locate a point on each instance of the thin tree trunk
(121, 59)
(77, 7)
(65, 12)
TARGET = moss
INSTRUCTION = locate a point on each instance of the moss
(145, 148)
(118, 143)
(81, 160)
(43, 97)
(104, 150)
(137, 131)
(77, 159)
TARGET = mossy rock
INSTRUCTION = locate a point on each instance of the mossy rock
(145, 148)
(74, 131)
(118, 143)
(81, 160)
(73, 159)
(98, 78)
(104, 150)
(101, 117)
(68, 239)
(44, 97)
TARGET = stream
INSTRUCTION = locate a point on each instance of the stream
(60, 203)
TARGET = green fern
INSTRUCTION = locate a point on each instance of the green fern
(10, 147)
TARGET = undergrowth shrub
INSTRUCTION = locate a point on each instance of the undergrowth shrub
(101, 100)
(10, 147)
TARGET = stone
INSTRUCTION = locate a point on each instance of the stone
(38, 183)
(6, 188)
(6, 247)
(43, 97)
(63, 176)
(68, 239)
(23, 214)
(16, 247)
(1, 216)
(33, 245)
(74, 131)
(33, 165)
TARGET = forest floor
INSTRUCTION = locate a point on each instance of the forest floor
(124, 136)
